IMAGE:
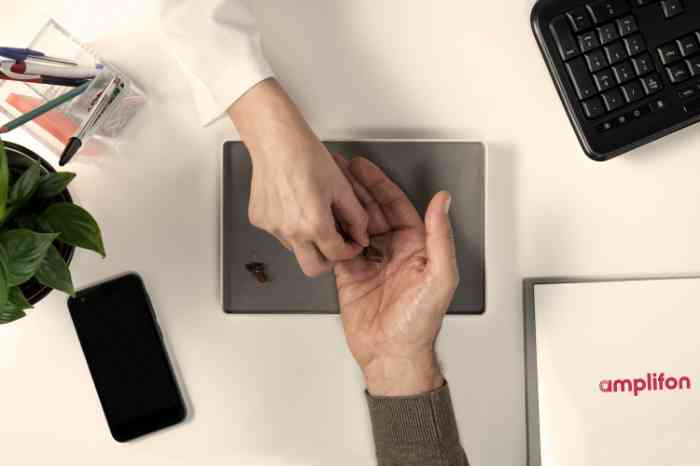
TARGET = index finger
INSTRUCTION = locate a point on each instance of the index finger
(377, 223)
(397, 208)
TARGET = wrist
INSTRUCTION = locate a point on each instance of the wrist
(269, 122)
(403, 376)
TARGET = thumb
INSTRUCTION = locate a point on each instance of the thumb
(351, 214)
(442, 255)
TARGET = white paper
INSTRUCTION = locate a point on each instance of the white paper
(596, 342)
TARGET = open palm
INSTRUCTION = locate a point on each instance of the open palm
(394, 309)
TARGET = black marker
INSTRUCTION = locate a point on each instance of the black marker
(109, 95)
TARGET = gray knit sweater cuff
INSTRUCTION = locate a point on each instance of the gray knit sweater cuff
(405, 426)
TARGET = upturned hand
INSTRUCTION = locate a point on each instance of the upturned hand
(392, 311)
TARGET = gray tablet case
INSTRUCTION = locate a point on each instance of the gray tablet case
(421, 168)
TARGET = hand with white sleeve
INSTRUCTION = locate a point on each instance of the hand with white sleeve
(298, 191)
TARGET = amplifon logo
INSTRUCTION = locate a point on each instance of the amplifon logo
(652, 383)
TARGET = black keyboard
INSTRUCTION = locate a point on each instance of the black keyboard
(627, 71)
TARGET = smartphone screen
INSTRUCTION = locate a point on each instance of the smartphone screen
(122, 343)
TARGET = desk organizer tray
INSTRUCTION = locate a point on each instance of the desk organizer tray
(55, 128)
(421, 168)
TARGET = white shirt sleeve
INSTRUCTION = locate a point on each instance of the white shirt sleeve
(218, 47)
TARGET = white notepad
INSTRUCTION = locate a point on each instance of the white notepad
(613, 373)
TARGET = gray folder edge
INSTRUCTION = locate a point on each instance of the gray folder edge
(221, 282)
(532, 419)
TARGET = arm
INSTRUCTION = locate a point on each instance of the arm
(298, 192)
(217, 45)
(392, 313)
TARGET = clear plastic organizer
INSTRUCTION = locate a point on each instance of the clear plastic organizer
(56, 127)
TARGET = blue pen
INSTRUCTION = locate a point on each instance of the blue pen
(20, 55)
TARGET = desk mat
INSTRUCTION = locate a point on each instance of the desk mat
(420, 168)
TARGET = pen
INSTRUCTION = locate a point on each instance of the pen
(50, 105)
(67, 82)
(73, 72)
(110, 94)
(18, 54)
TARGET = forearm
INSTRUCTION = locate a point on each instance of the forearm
(269, 122)
(412, 416)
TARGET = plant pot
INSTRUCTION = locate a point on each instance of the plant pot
(19, 159)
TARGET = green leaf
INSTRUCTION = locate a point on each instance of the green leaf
(25, 187)
(14, 307)
(25, 250)
(75, 225)
(10, 313)
(30, 221)
(4, 180)
(53, 272)
(16, 297)
(54, 184)
(4, 286)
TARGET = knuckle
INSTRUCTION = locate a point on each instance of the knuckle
(363, 219)
(277, 232)
(313, 270)
(345, 253)
(452, 281)
(253, 217)
(334, 255)
(291, 230)
(286, 231)
(317, 229)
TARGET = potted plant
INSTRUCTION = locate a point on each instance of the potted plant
(40, 227)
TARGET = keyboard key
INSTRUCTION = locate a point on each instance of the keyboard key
(643, 64)
(608, 33)
(687, 93)
(603, 127)
(581, 78)
(635, 44)
(627, 25)
(613, 99)
(669, 53)
(639, 112)
(658, 105)
(596, 61)
(593, 107)
(616, 52)
(604, 10)
(564, 38)
(633, 91)
(588, 41)
(678, 73)
(672, 8)
(652, 84)
(694, 65)
(580, 19)
(624, 72)
(605, 80)
(688, 45)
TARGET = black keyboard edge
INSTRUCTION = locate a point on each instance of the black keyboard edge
(535, 18)
(539, 27)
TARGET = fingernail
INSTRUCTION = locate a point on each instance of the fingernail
(448, 204)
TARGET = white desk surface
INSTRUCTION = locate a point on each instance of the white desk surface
(284, 390)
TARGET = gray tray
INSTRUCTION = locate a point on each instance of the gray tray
(421, 168)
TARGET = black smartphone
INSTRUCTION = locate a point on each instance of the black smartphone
(123, 346)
